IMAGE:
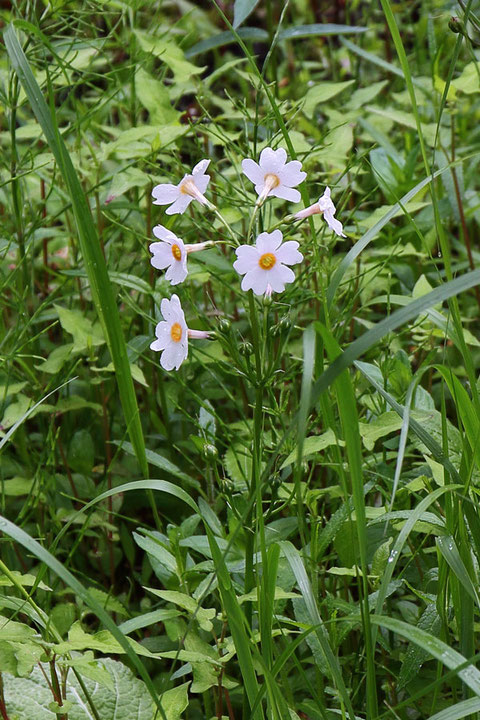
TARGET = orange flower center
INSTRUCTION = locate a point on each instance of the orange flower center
(271, 180)
(176, 332)
(176, 252)
(267, 261)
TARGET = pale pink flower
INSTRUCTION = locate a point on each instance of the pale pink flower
(325, 206)
(274, 176)
(173, 334)
(172, 253)
(191, 187)
(264, 265)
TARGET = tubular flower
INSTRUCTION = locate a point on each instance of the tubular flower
(191, 187)
(264, 265)
(172, 253)
(325, 206)
(173, 334)
(274, 176)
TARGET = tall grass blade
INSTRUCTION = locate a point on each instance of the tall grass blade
(101, 288)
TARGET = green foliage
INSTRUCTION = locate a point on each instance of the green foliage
(287, 526)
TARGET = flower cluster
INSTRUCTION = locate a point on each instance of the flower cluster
(265, 266)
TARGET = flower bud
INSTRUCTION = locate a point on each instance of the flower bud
(210, 452)
(455, 25)
(284, 323)
(224, 325)
(246, 349)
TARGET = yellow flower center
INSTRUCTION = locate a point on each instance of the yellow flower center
(271, 180)
(267, 261)
(176, 332)
(176, 252)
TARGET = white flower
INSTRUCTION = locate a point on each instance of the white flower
(265, 264)
(274, 176)
(191, 187)
(173, 334)
(325, 206)
(172, 253)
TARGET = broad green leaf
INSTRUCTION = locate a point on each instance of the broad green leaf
(202, 616)
(312, 445)
(170, 54)
(85, 333)
(26, 580)
(175, 701)
(126, 180)
(56, 360)
(15, 412)
(364, 95)
(468, 82)
(155, 97)
(384, 424)
(28, 698)
(321, 93)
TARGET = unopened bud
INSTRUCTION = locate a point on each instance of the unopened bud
(224, 325)
(246, 349)
(284, 323)
(455, 25)
(210, 452)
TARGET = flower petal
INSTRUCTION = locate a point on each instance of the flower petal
(288, 253)
(180, 205)
(247, 259)
(163, 233)
(272, 161)
(200, 168)
(162, 255)
(279, 276)
(165, 194)
(284, 192)
(333, 223)
(173, 355)
(253, 171)
(269, 242)
(201, 181)
(177, 272)
(256, 280)
(167, 311)
(292, 174)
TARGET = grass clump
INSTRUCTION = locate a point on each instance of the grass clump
(277, 515)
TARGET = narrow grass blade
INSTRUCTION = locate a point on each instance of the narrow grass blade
(101, 288)
(11, 430)
(237, 623)
(349, 417)
(415, 426)
(447, 546)
(389, 324)
(470, 675)
(359, 246)
(458, 711)
(416, 514)
(298, 569)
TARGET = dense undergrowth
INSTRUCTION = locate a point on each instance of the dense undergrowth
(286, 526)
